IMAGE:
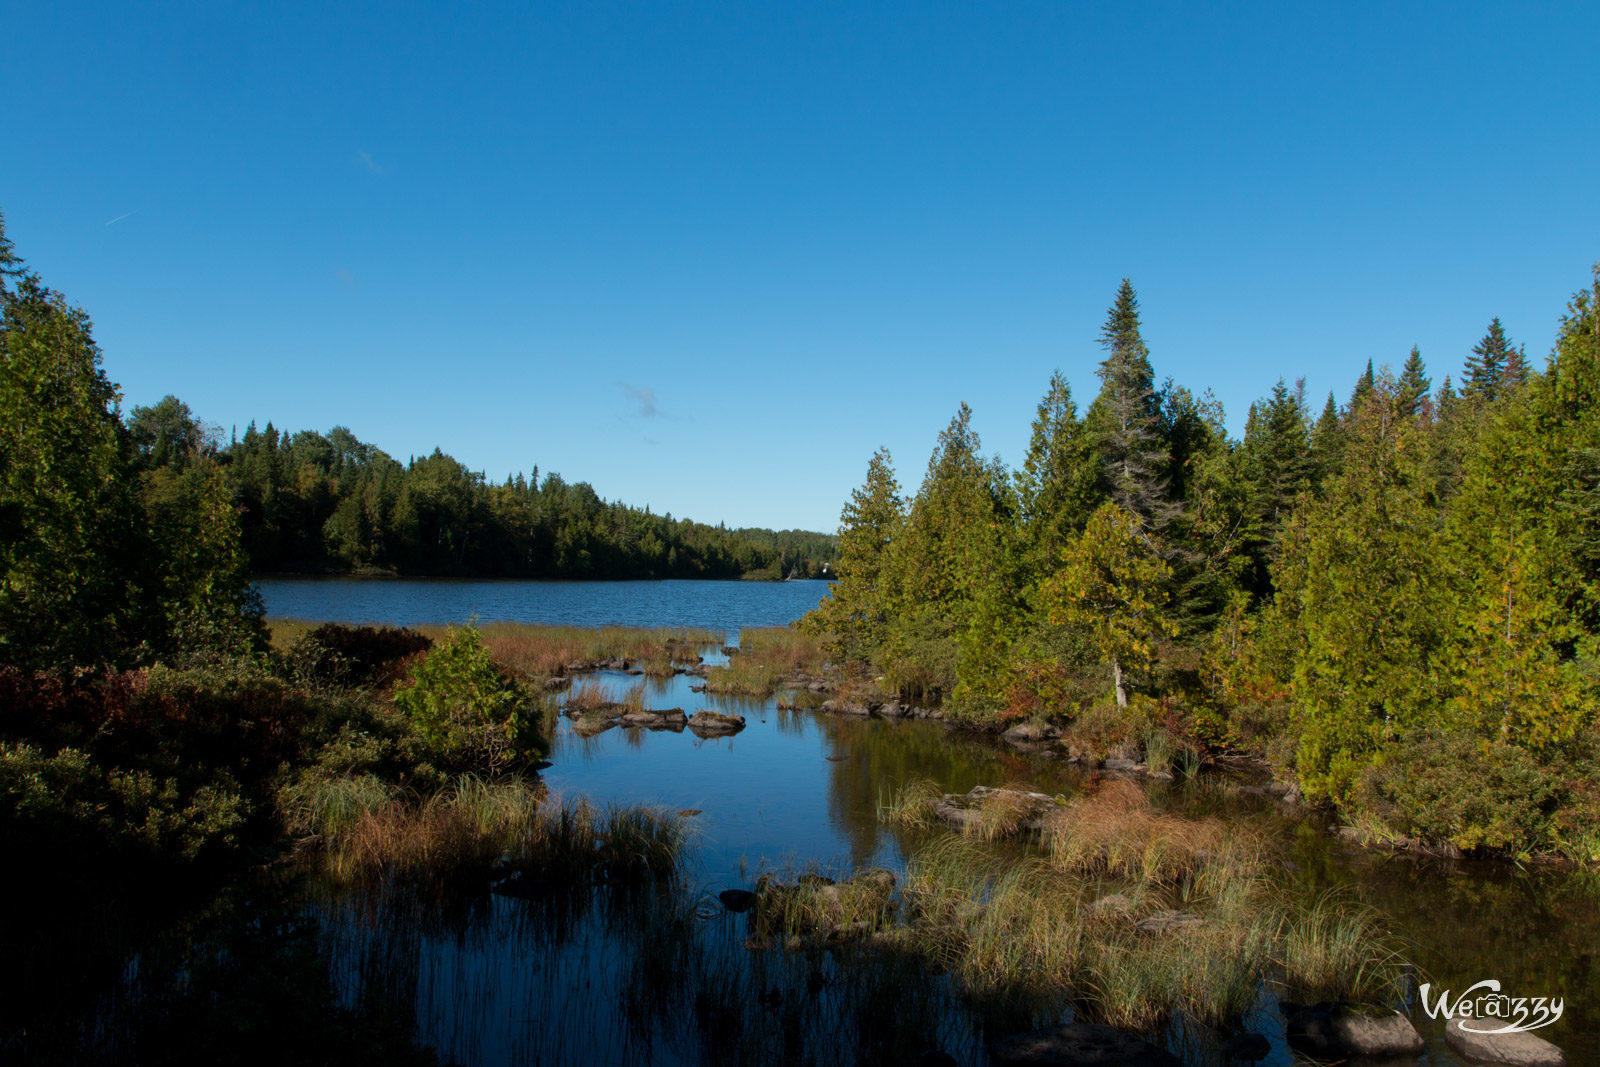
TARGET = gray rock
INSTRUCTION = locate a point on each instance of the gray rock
(715, 723)
(673, 718)
(892, 710)
(1083, 1044)
(1166, 922)
(1032, 732)
(1336, 1030)
(1120, 763)
(1519, 1049)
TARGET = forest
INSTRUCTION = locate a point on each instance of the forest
(1394, 600)
(330, 503)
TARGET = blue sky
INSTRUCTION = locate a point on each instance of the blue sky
(709, 257)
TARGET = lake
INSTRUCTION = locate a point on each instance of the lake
(798, 790)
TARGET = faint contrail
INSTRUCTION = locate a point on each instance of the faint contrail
(119, 218)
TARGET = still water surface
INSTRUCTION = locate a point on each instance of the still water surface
(796, 789)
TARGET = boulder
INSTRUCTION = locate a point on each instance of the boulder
(846, 707)
(965, 810)
(1031, 733)
(715, 724)
(1084, 1044)
(737, 900)
(1521, 1049)
(670, 719)
(1339, 1030)
(1167, 921)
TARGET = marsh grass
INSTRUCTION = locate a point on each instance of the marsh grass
(767, 657)
(329, 806)
(1115, 829)
(590, 696)
(478, 826)
(548, 651)
(912, 805)
(634, 698)
(1336, 949)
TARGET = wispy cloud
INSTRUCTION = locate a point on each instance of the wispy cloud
(365, 159)
(645, 397)
(119, 218)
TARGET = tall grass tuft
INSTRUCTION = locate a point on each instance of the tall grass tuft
(1335, 949)
(1115, 829)
(912, 805)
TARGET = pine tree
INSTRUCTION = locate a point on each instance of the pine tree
(1411, 391)
(1327, 443)
(1486, 367)
(1125, 419)
(1056, 487)
(855, 612)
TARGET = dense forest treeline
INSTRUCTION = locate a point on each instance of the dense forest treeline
(331, 503)
(1396, 598)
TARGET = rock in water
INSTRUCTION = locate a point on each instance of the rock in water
(737, 900)
(1519, 1049)
(715, 724)
(1085, 1044)
(1336, 1030)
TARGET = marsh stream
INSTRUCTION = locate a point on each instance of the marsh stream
(506, 980)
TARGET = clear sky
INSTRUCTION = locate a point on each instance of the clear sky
(708, 258)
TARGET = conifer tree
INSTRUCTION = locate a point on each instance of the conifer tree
(1326, 443)
(855, 612)
(1113, 583)
(1486, 367)
(1411, 391)
(1125, 419)
(1056, 487)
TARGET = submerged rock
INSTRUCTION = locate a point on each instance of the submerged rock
(1336, 1030)
(1519, 1049)
(1086, 1044)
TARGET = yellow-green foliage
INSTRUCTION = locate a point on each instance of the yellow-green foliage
(464, 706)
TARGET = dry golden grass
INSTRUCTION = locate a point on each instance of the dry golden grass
(547, 651)
(1115, 830)
(785, 649)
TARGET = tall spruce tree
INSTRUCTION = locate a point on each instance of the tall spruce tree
(1486, 367)
(855, 612)
(1125, 419)
(1056, 487)
(1412, 390)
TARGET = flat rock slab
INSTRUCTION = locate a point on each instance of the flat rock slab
(964, 811)
(715, 723)
(1336, 1030)
(1520, 1049)
(1085, 1044)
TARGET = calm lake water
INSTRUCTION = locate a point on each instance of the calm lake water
(796, 790)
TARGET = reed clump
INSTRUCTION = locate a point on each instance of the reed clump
(541, 651)
(506, 828)
(1114, 829)
(590, 696)
(913, 805)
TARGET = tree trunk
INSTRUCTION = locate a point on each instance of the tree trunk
(1116, 677)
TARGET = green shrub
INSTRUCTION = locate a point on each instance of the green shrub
(465, 708)
(1455, 788)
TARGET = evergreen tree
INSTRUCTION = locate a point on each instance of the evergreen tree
(1411, 391)
(1486, 367)
(1327, 443)
(1125, 419)
(1111, 582)
(855, 612)
(1056, 488)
